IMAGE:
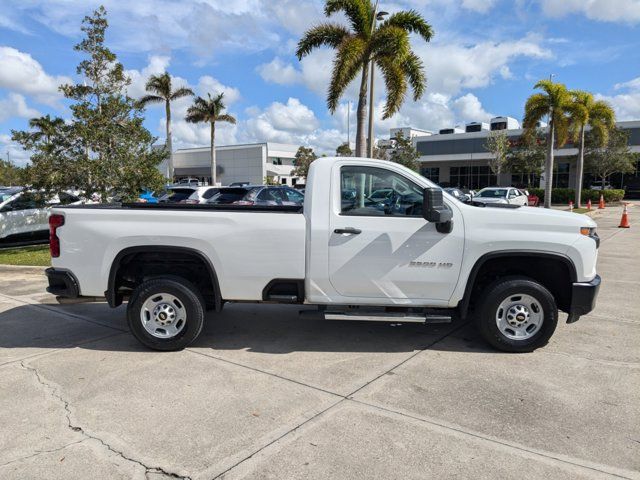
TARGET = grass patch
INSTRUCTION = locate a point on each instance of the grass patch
(580, 210)
(37, 256)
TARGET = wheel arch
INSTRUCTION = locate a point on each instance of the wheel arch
(114, 298)
(505, 256)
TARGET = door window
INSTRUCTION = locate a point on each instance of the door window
(294, 196)
(270, 195)
(371, 191)
(27, 201)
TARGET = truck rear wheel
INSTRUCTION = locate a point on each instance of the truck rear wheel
(517, 315)
(166, 313)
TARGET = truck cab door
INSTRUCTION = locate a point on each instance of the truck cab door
(380, 246)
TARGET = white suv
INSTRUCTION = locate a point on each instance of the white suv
(507, 195)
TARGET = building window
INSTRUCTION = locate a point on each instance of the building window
(473, 178)
(531, 180)
(432, 173)
(283, 181)
(561, 175)
(277, 161)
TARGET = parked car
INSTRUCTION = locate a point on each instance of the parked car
(21, 212)
(600, 185)
(148, 196)
(509, 269)
(260, 195)
(239, 184)
(506, 195)
(202, 194)
(177, 194)
(191, 182)
(458, 194)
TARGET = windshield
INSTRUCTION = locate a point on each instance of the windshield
(493, 193)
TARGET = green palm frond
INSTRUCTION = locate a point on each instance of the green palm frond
(359, 13)
(536, 108)
(148, 99)
(390, 41)
(414, 70)
(395, 83)
(209, 110)
(227, 118)
(412, 22)
(349, 61)
(325, 34)
(181, 92)
(160, 85)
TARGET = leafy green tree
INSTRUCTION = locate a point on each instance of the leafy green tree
(10, 174)
(527, 156)
(553, 102)
(597, 114)
(302, 161)
(211, 111)
(614, 156)
(344, 150)
(387, 46)
(162, 92)
(405, 153)
(498, 145)
(53, 151)
(105, 149)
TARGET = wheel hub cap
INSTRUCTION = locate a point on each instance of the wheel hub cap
(163, 315)
(519, 317)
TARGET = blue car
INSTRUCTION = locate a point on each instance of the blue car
(147, 197)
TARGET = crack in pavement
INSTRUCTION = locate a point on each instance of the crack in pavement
(76, 428)
(41, 452)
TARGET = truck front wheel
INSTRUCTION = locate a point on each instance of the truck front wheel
(166, 313)
(517, 314)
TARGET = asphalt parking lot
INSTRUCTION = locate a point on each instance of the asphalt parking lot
(264, 394)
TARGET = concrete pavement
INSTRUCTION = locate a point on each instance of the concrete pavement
(263, 394)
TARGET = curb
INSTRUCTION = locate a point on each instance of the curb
(22, 269)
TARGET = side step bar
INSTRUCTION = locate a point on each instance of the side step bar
(364, 316)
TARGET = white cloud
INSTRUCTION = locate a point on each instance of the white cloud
(623, 11)
(20, 72)
(17, 155)
(627, 104)
(480, 6)
(279, 72)
(15, 105)
(157, 65)
(281, 122)
(469, 109)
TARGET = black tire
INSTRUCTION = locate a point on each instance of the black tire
(499, 291)
(189, 300)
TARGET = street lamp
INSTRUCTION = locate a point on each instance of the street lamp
(376, 17)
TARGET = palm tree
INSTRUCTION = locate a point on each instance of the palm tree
(45, 128)
(554, 103)
(356, 47)
(162, 91)
(597, 114)
(210, 110)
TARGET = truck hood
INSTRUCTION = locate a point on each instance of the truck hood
(534, 216)
(489, 200)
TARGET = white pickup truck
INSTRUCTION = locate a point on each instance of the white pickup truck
(374, 241)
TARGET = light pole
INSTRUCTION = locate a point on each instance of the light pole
(376, 16)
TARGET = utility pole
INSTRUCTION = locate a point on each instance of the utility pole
(349, 124)
(376, 16)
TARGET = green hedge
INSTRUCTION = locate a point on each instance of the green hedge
(564, 195)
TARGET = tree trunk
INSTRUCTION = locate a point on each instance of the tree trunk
(579, 170)
(548, 170)
(169, 142)
(214, 179)
(361, 115)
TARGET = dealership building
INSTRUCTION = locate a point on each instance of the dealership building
(239, 163)
(457, 156)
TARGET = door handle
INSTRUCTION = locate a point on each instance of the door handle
(349, 230)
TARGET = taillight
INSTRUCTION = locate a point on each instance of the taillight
(55, 221)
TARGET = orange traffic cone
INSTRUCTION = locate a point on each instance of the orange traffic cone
(624, 222)
(589, 205)
(601, 205)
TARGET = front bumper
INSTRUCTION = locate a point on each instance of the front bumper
(583, 298)
(62, 283)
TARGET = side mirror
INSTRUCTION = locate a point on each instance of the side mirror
(435, 211)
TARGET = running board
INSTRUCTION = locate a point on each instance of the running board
(377, 317)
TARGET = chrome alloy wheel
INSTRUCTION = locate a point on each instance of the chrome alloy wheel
(519, 317)
(163, 315)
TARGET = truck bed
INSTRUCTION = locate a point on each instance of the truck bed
(248, 246)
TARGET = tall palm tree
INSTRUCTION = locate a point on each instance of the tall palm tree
(553, 102)
(356, 47)
(162, 91)
(210, 110)
(597, 114)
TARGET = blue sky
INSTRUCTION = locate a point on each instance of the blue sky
(483, 61)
